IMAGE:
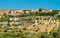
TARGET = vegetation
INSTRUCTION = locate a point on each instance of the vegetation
(19, 31)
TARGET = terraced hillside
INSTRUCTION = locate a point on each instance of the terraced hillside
(29, 23)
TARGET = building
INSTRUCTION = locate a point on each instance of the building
(46, 11)
(59, 13)
(14, 19)
(20, 11)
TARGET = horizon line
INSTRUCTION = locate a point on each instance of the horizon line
(26, 8)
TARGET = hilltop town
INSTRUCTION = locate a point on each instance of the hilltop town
(29, 21)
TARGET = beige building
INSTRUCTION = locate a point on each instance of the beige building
(14, 19)
(46, 11)
(59, 13)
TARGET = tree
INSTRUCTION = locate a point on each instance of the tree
(40, 9)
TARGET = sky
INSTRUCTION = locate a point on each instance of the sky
(30, 4)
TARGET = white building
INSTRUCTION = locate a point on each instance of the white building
(36, 22)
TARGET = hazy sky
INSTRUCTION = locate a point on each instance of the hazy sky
(33, 4)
